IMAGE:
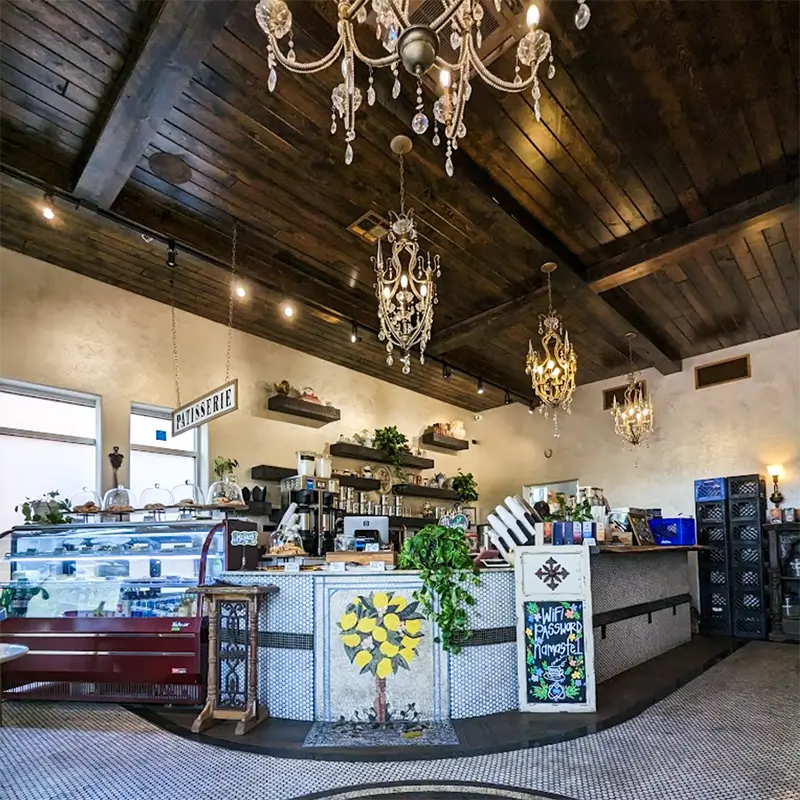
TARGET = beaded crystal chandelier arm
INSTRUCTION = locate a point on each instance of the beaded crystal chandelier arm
(553, 372)
(416, 46)
(405, 285)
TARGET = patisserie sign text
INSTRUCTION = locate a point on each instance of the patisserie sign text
(222, 400)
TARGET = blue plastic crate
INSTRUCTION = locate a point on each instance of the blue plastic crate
(673, 530)
(709, 490)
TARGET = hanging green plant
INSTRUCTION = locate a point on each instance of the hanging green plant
(394, 443)
(447, 570)
(466, 486)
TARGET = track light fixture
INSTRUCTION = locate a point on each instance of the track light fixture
(171, 253)
(447, 372)
(480, 386)
(354, 333)
(531, 407)
(507, 398)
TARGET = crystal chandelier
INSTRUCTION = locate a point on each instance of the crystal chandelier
(552, 373)
(405, 288)
(416, 47)
(633, 420)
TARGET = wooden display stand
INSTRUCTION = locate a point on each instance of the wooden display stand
(232, 657)
(555, 643)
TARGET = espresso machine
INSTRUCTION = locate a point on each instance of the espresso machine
(316, 500)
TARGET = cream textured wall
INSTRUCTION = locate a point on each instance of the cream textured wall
(59, 328)
(731, 429)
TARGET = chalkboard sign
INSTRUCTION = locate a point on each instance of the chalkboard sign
(555, 658)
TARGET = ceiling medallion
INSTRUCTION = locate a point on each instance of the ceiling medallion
(552, 373)
(405, 287)
(416, 47)
(633, 420)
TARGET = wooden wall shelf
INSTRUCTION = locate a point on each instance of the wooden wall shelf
(359, 453)
(412, 490)
(358, 482)
(270, 474)
(432, 439)
(296, 407)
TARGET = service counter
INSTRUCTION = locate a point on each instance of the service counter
(316, 662)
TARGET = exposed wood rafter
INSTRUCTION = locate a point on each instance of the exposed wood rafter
(170, 53)
(769, 208)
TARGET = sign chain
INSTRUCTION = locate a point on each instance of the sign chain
(230, 303)
(171, 263)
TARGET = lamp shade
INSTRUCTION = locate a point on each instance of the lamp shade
(775, 470)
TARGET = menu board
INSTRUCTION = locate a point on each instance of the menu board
(555, 658)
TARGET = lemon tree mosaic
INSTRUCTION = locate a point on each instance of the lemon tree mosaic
(381, 633)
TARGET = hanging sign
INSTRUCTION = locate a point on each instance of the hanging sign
(215, 404)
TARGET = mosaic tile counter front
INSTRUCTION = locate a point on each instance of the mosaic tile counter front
(338, 646)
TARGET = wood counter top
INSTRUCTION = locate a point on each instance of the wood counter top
(648, 548)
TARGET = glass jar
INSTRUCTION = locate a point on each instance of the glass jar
(85, 502)
(225, 493)
(288, 543)
(324, 466)
(306, 463)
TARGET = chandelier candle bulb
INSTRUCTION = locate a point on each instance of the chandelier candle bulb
(532, 17)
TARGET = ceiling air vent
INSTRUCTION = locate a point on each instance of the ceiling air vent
(731, 369)
(618, 393)
(370, 227)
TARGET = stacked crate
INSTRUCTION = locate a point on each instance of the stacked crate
(747, 552)
(711, 516)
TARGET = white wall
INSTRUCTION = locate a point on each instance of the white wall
(62, 329)
(732, 429)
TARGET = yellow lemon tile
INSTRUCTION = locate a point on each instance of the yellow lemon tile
(363, 657)
(366, 625)
(384, 668)
(379, 634)
(347, 621)
(413, 625)
(391, 621)
(389, 649)
(351, 639)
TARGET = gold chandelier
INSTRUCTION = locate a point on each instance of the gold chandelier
(405, 288)
(633, 420)
(552, 373)
(409, 39)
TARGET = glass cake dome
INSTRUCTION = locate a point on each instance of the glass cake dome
(225, 493)
(187, 494)
(156, 498)
(85, 502)
(119, 499)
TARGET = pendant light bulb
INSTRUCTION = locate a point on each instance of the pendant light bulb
(480, 386)
(288, 310)
(47, 211)
(241, 291)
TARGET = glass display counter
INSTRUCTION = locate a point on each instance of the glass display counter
(108, 610)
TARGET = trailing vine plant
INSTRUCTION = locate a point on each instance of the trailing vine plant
(466, 486)
(447, 570)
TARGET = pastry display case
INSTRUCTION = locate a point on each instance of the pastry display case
(108, 609)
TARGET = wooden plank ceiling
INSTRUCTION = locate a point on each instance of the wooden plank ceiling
(662, 179)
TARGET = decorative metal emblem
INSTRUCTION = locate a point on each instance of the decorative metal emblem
(552, 574)
(232, 629)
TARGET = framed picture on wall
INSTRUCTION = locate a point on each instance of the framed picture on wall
(471, 513)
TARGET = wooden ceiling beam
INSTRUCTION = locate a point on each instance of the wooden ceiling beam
(487, 322)
(762, 211)
(150, 84)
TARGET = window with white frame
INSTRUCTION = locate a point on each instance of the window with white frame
(158, 457)
(49, 441)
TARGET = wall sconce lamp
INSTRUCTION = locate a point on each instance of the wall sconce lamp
(775, 472)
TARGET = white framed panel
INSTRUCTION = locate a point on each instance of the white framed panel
(555, 642)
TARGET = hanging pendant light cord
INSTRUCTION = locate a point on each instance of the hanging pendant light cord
(230, 303)
(549, 295)
(402, 187)
(171, 263)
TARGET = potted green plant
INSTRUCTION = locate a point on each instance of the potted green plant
(224, 466)
(51, 509)
(447, 570)
(394, 443)
(466, 486)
